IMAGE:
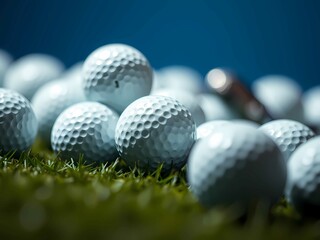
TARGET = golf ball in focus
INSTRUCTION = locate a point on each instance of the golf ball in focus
(116, 75)
(155, 130)
(18, 123)
(187, 99)
(287, 134)
(86, 128)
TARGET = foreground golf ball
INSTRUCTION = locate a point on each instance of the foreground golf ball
(214, 108)
(49, 101)
(155, 130)
(303, 185)
(287, 134)
(30, 72)
(86, 128)
(208, 128)
(280, 95)
(18, 123)
(179, 78)
(5, 61)
(237, 164)
(311, 102)
(188, 99)
(116, 75)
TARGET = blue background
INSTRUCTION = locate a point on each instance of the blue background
(252, 37)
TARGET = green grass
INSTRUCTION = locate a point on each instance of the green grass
(44, 197)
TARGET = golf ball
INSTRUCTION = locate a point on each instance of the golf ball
(49, 101)
(188, 99)
(280, 95)
(179, 78)
(287, 134)
(311, 101)
(18, 123)
(303, 185)
(237, 164)
(155, 130)
(5, 61)
(207, 128)
(86, 128)
(116, 75)
(30, 72)
(215, 108)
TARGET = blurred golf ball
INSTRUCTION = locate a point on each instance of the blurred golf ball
(178, 78)
(188, 99)
(280, 95)
(116, 75)
(311, 102)
(155, 130)
(5, 61)
(18, 123)
(30, 72)
(86, 128)
(207, 128)
(214, 108)
(287, 134)
(303, 185)
(49, 101)
(236, 165)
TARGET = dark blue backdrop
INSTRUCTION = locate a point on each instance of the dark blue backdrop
(252, 37)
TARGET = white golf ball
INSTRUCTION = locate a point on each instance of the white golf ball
(49, 101)
(86, 128)
(188, 99)
(155, 130)
(236, 164)
(311, 102)
(215, 108)
(207, 128)
(287, 134)
(116, 75)
(30, 72)
(280, 95)
(18, 123)
(303, 185)
(179, 78)
(5, 61)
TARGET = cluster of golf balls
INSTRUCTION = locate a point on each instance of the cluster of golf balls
(114, 104)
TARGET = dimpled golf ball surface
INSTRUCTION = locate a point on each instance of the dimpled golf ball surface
(86, 128)
(303, 185)
(155, 130)
(287, 134)
(18, 123)
(188, 99)
(116, 75)
(237, 164)
(49, 101)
